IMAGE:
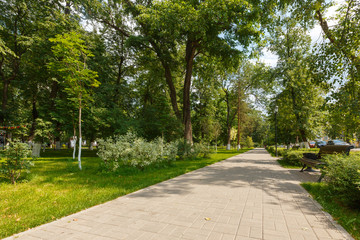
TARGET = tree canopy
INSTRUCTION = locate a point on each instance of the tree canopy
(178, 69)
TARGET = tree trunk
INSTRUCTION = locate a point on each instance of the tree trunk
(228, 120)
(74, 142)
(4, 100)
(35, 115)
(238, 116)
(119, 76)
(298, 119)
(172, 90)
(189, 58)
(80, 136)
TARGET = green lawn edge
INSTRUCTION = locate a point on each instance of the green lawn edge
(348, 218)
(56, 188)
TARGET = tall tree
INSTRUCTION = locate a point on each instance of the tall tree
(188, 28)
(71, 58)
(299, 98)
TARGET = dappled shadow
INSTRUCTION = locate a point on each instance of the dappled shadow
(280, 186)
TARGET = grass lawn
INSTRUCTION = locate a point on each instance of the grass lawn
(56, 188)
(346, 217)
(286, 164)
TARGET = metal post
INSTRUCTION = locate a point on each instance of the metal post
(276, 111)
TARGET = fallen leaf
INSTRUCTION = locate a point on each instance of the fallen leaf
(18, 219)
(207, 219)
(75, 219)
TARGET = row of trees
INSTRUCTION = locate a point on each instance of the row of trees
(176, 69)
(318, 93)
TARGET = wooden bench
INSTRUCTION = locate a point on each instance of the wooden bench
(310, 160)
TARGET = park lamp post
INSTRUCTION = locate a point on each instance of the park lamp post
(276, 111)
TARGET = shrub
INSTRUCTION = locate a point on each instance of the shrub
(292, 157)
(249, 142)
(135, 151)
(188, 151)
(343, 176)
(16, 161)
(270, 149)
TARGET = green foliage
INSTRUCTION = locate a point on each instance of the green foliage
(345, 216)
(130, 150)
(270, 149)
(249, 142)
(72, 55)
(16, 161)
(192, 151)
(343, 176)
(292, 157)
(299, 98)
(43, 131)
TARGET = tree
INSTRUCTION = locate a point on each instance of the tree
(339, 66)
(71, 57)
(299, 99)
(344, 37)
(188, 29)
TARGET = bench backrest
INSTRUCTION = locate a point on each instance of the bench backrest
(334, 149)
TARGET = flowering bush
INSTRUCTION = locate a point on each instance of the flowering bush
(16, 161)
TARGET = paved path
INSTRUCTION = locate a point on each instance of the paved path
(245, 197)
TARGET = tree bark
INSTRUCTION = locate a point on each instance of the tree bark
(170, 83)
(80, 135)
(74, 141)
(189, 58)
(298, 118)
(229, 118)
(4, 99)
(238, 116)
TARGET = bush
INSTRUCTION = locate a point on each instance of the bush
(16, 161)
(188, 151)
(249, 142)
(270, 149)
(134, 151)
(281, 151)
(292, 157)
(343, 176)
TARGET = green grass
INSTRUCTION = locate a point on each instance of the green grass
(346, 217)
(286, 164)
(56, 188)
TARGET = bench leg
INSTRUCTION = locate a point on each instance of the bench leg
(303, 168)
(320, 178)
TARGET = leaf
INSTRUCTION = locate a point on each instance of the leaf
(207, 219)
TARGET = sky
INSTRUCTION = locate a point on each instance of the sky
(270, 59)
